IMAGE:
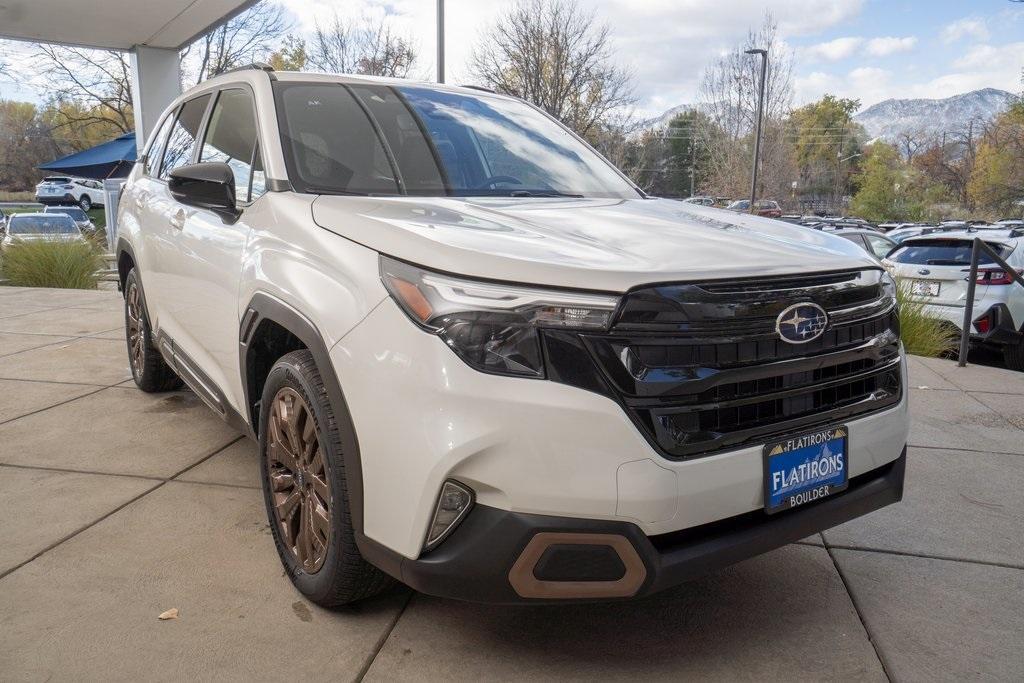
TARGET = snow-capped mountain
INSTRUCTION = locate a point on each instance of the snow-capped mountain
(886, 120)
(890, 118)
(662, 121)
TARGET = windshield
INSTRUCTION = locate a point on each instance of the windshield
(374, 139)
(50, 224)
(74, 213)
(943, 252)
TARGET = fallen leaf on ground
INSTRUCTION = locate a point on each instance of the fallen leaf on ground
(169, 614)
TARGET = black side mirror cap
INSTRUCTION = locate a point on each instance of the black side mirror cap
(209, 185)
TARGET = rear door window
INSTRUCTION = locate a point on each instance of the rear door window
(182, 141)
(880, 246)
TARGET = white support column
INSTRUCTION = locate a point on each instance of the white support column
(156, 80)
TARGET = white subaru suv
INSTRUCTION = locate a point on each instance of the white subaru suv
(480, 361)
(936, 270)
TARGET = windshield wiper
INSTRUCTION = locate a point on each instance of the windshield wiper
(945, 262)
(542, 193)
(315, 189)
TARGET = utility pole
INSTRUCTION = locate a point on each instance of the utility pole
(440, 41)
(760, 117)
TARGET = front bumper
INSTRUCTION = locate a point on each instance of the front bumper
(482, 560)
(533, 447)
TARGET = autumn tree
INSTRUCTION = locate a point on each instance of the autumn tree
(25, 142)
(997, 180)
(361, 46)
(87, 89)
(554, 54)
(827, 147)
(291, 56)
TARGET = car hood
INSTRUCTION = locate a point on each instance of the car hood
(599, 244)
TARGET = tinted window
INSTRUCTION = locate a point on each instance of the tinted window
(56, 224)
(231, 138)
(182, 140)
(74, 212)
(856, 239)
(330, 144)
(439, 142)
(943, 252)
(156, 148)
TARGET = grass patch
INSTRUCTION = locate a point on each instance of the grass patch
(70, 265)
(923, 334)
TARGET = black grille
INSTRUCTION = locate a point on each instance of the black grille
(700, 368)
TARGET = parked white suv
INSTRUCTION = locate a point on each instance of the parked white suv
(478, 360)
(936, 269)
(64, 190)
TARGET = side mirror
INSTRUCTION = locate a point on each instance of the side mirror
(210, 185)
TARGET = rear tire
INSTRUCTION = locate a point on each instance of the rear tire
(149, 369)
(85, 202)
(305, 487)
(1013, 356)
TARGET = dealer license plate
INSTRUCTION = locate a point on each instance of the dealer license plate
(805, 468)
(925, 287)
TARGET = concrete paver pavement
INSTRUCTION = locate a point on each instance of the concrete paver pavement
(121, 505)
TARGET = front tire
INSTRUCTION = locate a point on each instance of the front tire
(85, 202)
(149, 369)
(305, 487)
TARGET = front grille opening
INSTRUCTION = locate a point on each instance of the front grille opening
(699, 368)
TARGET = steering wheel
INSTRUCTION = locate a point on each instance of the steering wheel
(495, 179)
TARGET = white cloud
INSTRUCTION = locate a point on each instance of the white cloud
(968, 27)
(834, 50)
(666, 43)
(890, 45)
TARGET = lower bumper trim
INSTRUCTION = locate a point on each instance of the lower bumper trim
(478, 562)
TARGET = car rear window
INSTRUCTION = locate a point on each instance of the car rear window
(944, 252)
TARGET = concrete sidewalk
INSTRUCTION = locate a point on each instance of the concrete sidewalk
(120, 505)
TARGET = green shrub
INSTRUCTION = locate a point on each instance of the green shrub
(923, 334)
(71, 265)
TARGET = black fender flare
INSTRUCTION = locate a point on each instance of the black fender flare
(265, 307)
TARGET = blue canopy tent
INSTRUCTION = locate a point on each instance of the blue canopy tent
(112, 159)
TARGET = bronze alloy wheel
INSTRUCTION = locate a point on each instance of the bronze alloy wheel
(298, 479)
(135, 333)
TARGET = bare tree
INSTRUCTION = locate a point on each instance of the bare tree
(365, 46)
(93, 85)
(248, 37)
(729, 95)
(553, 53)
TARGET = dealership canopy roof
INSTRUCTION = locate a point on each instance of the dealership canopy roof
(115, 24)
(112, 159)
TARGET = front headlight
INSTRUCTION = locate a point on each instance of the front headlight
(888, 286)
(492, 327)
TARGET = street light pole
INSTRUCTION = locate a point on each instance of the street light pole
(760, 118)
(440, 41)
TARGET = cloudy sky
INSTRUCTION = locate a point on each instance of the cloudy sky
(868, 49)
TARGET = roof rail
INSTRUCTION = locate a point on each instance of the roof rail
(258, 66)
(480, 87)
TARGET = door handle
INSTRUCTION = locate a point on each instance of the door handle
(178, 219)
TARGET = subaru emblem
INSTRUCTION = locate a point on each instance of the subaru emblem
(801, 323)
(924, 271)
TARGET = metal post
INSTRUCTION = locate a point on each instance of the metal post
(440, 41)
(972, 280)
(760, 117)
